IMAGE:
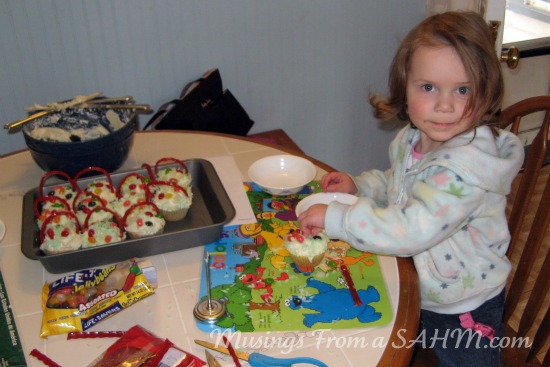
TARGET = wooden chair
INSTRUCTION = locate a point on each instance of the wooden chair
(526, 309)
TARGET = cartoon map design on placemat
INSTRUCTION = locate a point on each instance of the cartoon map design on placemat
(253, 274)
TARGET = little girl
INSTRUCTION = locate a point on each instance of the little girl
(443, 199)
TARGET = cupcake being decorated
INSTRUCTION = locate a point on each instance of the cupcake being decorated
(143, 220)
(60, 233)
(172, 200)
(306, 252)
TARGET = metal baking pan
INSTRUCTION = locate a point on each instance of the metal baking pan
(210, 210)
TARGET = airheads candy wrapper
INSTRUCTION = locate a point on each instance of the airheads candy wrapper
(78, 301)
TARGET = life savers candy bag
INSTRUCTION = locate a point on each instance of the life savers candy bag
(138, 347)
(78, 301)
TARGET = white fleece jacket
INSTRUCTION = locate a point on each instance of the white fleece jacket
(447, 211)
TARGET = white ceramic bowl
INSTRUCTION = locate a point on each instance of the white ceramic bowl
(324, 198)
(282, 174)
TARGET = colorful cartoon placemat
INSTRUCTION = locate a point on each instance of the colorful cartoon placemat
(253, 274)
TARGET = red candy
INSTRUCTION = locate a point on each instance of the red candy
(296, 235)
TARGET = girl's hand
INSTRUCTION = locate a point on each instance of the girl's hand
(312, 221)
(338, 182)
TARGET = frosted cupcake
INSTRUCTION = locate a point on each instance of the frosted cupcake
(66, 191)
(60, 233)
(103, 188)
(44, 206)
(306, 252)
(85, 202)
(178, 174)
(172, 200)
(132, 184)
(130, 191)
(124, 203)
(104, 231)
(143, 220)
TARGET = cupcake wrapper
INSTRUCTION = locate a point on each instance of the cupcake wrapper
(138, 235)
(174, 215)
(306, 262)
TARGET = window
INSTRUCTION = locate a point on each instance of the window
(527, 26)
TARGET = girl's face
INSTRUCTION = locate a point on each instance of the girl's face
(437, 92)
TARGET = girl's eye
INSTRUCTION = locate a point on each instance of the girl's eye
(463, 90)
(427, 87)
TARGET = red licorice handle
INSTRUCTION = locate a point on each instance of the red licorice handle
(51, 199)
(98, 169)
(170, 159)
(59, 173)
(43, 358)
(94, 334)
(231, 352)
(133, 174)
(351, 286)
(149, 171)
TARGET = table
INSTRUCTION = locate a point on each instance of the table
(169, 313)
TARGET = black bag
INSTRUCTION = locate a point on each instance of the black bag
(204, 106)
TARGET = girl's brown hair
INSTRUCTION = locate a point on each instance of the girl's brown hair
(470, 36)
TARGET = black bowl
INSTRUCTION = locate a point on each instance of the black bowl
(108, 152)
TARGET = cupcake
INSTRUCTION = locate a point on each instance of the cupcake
(85, 202)
(66, 191)
(124, 203)
(178, 174)
(44, 206)
(131, 190)
(172, 200)
(132, 184)
(143, 220)
(60, 233)
(102, 232)
(103, 188)
(306, 252)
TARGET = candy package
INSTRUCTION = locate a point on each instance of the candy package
(138, 347)
(79, 301)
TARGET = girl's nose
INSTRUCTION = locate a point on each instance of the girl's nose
(444, 103)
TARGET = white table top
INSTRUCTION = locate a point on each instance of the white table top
(169, 312)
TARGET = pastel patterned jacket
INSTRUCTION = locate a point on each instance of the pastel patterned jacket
(447, 211)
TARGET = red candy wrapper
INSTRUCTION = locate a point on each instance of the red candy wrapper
(140, 348)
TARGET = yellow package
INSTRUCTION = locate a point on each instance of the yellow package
(79, 301)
